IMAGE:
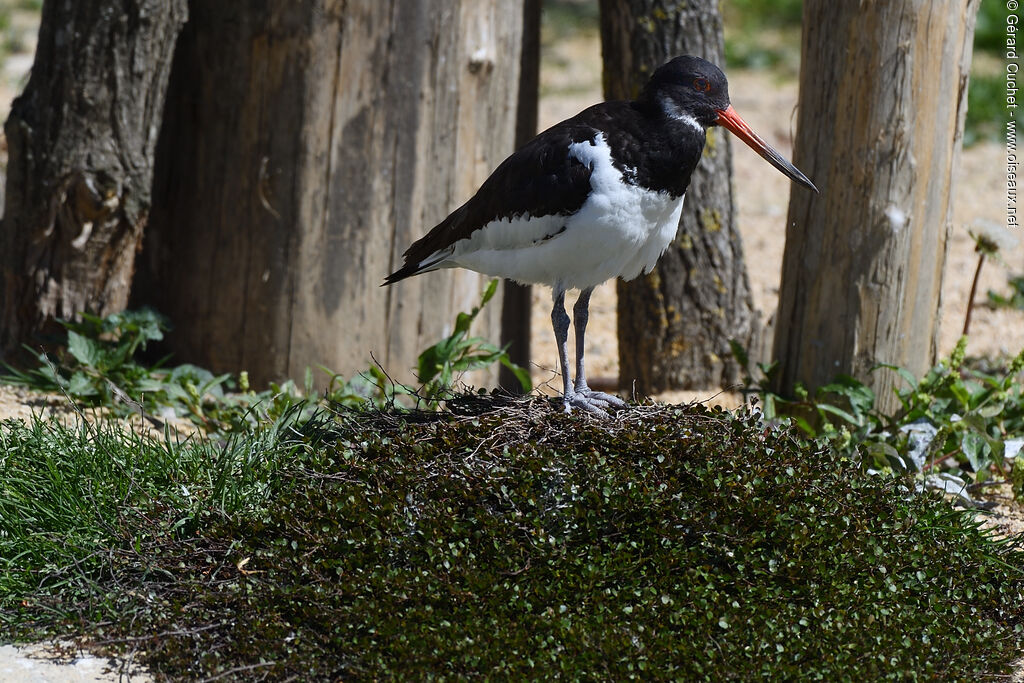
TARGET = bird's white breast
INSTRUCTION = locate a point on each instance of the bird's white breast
(620, 231)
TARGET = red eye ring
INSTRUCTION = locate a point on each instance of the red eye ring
(701, 85)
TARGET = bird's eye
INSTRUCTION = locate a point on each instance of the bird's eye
(701, 85)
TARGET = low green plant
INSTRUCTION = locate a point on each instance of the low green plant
(438, 369)
(440, 364)
(955, 427)
(677, 543)
(1013, 299)
(98, 365)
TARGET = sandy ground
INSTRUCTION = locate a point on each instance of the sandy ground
(43, 664)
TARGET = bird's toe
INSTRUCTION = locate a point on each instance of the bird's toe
(609, 400)
(594, 402)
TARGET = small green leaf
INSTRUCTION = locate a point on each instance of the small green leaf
(86, 351)
(976, 449)
(520, 373)
(827, 408)
(991, 410)
(739, 353)
(907, 376)
(488, 294)
(81, 385)
(959, 392)
(462, 323)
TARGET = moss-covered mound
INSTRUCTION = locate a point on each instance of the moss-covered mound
(514, 542)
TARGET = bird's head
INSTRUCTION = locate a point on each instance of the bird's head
(696, 91)
(689, 87)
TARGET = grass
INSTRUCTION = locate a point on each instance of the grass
(502, 539)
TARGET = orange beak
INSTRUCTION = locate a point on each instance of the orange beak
(728, 118)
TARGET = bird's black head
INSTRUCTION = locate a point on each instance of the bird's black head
(688, 87)
(694, 90)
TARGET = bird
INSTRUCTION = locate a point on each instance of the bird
(592, 198)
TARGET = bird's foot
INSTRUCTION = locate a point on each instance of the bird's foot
(594, 402)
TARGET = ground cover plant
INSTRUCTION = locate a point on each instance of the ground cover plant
(958, 428)
(500, 538)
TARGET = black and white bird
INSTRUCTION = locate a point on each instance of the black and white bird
(594, 197)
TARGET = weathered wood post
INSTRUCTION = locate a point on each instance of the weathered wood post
(306, 143)
(883, 94)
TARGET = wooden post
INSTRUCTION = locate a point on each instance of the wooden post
(308, 143)
(80, 160)
(518, 299)
(675, 323)
(883, 94)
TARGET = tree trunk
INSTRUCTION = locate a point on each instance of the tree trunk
(307, 144)
(883, 95)
(80, 158)
(518, 299)
(676, 322)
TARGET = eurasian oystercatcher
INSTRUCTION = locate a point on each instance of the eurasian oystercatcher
(594, 197)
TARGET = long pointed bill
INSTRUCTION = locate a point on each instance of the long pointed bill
(731, 120)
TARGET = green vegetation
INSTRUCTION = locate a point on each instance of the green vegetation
(763, 34)
(439, 365)
(97, 365)
(757, 14)
(1014, 299)
(504, 539)
(990, 29)
(566, 19)
(986, 110)
(353, 538)
(957, 426)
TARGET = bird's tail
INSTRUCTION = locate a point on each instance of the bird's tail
(434, 262)
(408, 270)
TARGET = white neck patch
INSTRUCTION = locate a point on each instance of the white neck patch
(674, 112)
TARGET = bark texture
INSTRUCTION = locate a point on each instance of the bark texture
(675, 323)
(517, 301)
(883, 95)
(307, 144)
(81, 140)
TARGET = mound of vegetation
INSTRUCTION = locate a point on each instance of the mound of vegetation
(500, 539)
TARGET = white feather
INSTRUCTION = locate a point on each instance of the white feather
(673, 111)
(620, 231)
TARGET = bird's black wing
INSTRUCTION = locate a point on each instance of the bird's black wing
(539, 179)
